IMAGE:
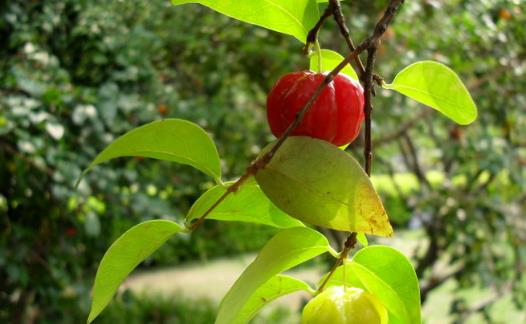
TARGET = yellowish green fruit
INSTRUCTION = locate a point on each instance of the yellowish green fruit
(341, 305)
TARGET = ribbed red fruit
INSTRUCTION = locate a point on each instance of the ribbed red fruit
(335, 116)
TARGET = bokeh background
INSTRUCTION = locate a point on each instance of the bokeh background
(76, 74)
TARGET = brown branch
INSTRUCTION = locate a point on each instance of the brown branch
(416, 164)
(344, 31)
(368, 109)
(14, 152)
(371, 44)
(434, 282)
(262, 161)
(313, 33)
(391, 172)
(347, 247)
(402, 129)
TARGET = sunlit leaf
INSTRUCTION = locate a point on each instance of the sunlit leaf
(387, 295)
(329, 60)
(285, 250)
(362, 238)
(277, 286)
(247, 204)
(396, 270)
(126, 253)
(438, 87)
(319, 184)
(293, 17)
(174, 140)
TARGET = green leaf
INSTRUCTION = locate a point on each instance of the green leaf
(294, 18)
(285, 250)
(396, 270)
(362, 238)
(277, 286)
(126, 253)
(329, 60)
(353, 274)
(319, 184)
(387, 295)
(173, 140)
(436, 86)
(247, 204)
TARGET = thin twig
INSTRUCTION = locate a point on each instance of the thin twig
(262, 161)
(402, 129)
(347, 247)
(371, 45)
(313, 33)
(344, 30)
(416, 164)
(368, 89)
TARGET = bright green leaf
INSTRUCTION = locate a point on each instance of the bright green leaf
(319, 184)
(247, 204)
(126, 253)
(285, 250)
(352, 274)
(387, 295)
(362, 238)
(173, 140)
(293, 17)
(329, 60)
(277, 286)
(436, 86)
(396, 270)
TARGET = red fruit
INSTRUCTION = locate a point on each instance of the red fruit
(70, 231)
(335, 116)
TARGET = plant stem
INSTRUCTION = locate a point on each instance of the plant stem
(318, 53)
(367, 80)
(262, 161)
(347, 247)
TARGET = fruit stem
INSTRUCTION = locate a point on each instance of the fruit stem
(370, 44)
(318, 54)
(347, 247)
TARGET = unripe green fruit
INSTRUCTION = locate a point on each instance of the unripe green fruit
(341, 305)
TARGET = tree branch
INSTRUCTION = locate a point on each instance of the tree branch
(344, 31)
(402, 129)
(313, 33)
(368, 109)
(262, 161)
(371, 44)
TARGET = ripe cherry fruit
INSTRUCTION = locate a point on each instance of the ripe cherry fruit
(335, 116)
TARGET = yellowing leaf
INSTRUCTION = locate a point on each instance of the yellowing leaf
(319, 184)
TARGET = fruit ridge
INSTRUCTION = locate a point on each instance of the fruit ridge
(335, 116)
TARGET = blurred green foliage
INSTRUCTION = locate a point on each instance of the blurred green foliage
(76, 74)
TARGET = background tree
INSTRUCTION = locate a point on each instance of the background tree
(75, 73)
